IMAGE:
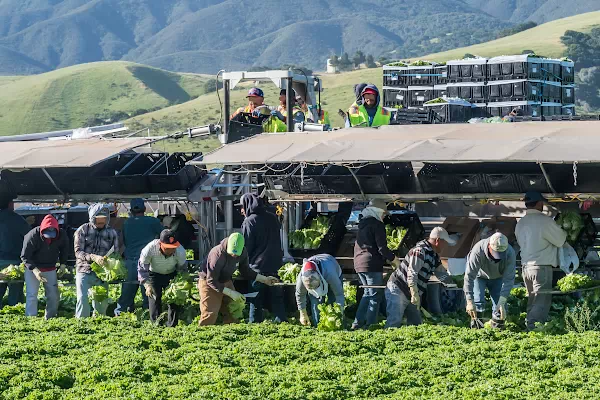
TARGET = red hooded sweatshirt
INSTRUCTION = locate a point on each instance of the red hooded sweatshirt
(45, 253)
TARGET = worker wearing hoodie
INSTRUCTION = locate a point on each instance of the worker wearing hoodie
(370, 113)
(370, 254)
(262, 238)
(44, 247)
(93, 241)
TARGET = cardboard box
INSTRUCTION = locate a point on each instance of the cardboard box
(488, 227)
(463, 229)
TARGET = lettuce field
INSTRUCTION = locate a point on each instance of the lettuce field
(123, 358)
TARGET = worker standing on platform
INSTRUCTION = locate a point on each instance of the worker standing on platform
(138, 231)
(539, 238)
(320, 277)
(491, 264)
(44, 248)
(370, 254)
(409, 281)
(256, 98)
(370, 113)
(93, 241)
(261, 230)
(13, 229)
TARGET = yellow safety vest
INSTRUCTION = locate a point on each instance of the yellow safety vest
(360, 117)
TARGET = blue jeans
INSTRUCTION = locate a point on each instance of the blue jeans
(83, 283)
(494, 286)
(398, 305)
(50, 289)
(314, 305)
(267, 295)
(15, 293)
(368, 308)
(129, 290)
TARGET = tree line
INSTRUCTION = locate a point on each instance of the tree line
(584, 50)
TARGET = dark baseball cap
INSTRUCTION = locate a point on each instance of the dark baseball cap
(533, 197)
(167, 239)
(137, 204)
(255, 92)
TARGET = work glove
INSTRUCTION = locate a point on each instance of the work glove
(277, 115)
(304, 320)
(396, 262)
(39, 276)
(502, 308)
(471, 309)
(233, 295)
(98, 259)
(149, 290)
(415, 299)
(62, 269)
(267, 280)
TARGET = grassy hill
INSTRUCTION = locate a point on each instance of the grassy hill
(69, 97)
(543, 39)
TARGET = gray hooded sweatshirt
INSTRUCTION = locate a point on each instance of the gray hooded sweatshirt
(89, 240)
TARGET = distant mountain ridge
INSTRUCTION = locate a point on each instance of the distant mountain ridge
(206, 35)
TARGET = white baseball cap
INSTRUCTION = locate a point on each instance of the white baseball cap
(498, 245)
(441, 233)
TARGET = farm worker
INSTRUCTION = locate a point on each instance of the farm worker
(320, 276)
(182, 229)
(93, 240)
(256, 98)
(370, 254)
(277, 123)
(409, 281)
(323, 116)
(370, 113)
(44, 248)
(491, 264)
(215, 284)
(539, 238)
(358, 88)
(13, 229)
(138, 231)
(160, 261)
(261, 232)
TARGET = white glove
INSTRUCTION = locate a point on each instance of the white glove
(502, 307)
(98, 259)
(415, 299)
(304, 320)
(235, 296)
(267, 280)
(149, 290)
(471, 309)
(39, 276)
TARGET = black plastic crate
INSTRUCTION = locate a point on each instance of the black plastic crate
(567, 72)
(417, 98)
(452, 112)
(501, 183)
(568, 95)
(422, 76)
(568, 111)
(438, 183)
(283, 183)
(441, 75)
(533, 182)
(470, 183)
(415, 230)
(395, 98)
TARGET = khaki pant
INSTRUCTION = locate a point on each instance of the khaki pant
(212, 303)
(537, 278)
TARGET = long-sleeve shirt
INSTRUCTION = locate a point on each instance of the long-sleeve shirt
(220, 266)
(539, 238)
(13, 229)
(481, 265)
(42, 253)
(153, 260)
(90, 241)
(417, 267)
(138, 231)
(331, 272)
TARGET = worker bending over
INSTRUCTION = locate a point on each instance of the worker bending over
(409, 281)
(44, 247)
(491, 264)
(256, 98)
(370, 113)
(215, 284)
(320, 277)
(539, 238)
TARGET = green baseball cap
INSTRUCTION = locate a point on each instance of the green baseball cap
(235, 244)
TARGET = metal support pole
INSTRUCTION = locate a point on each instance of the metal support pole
(284, 234)
(547, 178)
(299, 215)
(228, 204)
(290, 101)
(226, 115)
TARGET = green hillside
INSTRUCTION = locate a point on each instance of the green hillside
(70, 97)
(543, 39)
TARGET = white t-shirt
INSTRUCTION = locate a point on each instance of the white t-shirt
(539, 238)
(158, 262)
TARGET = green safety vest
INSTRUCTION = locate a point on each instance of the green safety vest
(359, 115)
